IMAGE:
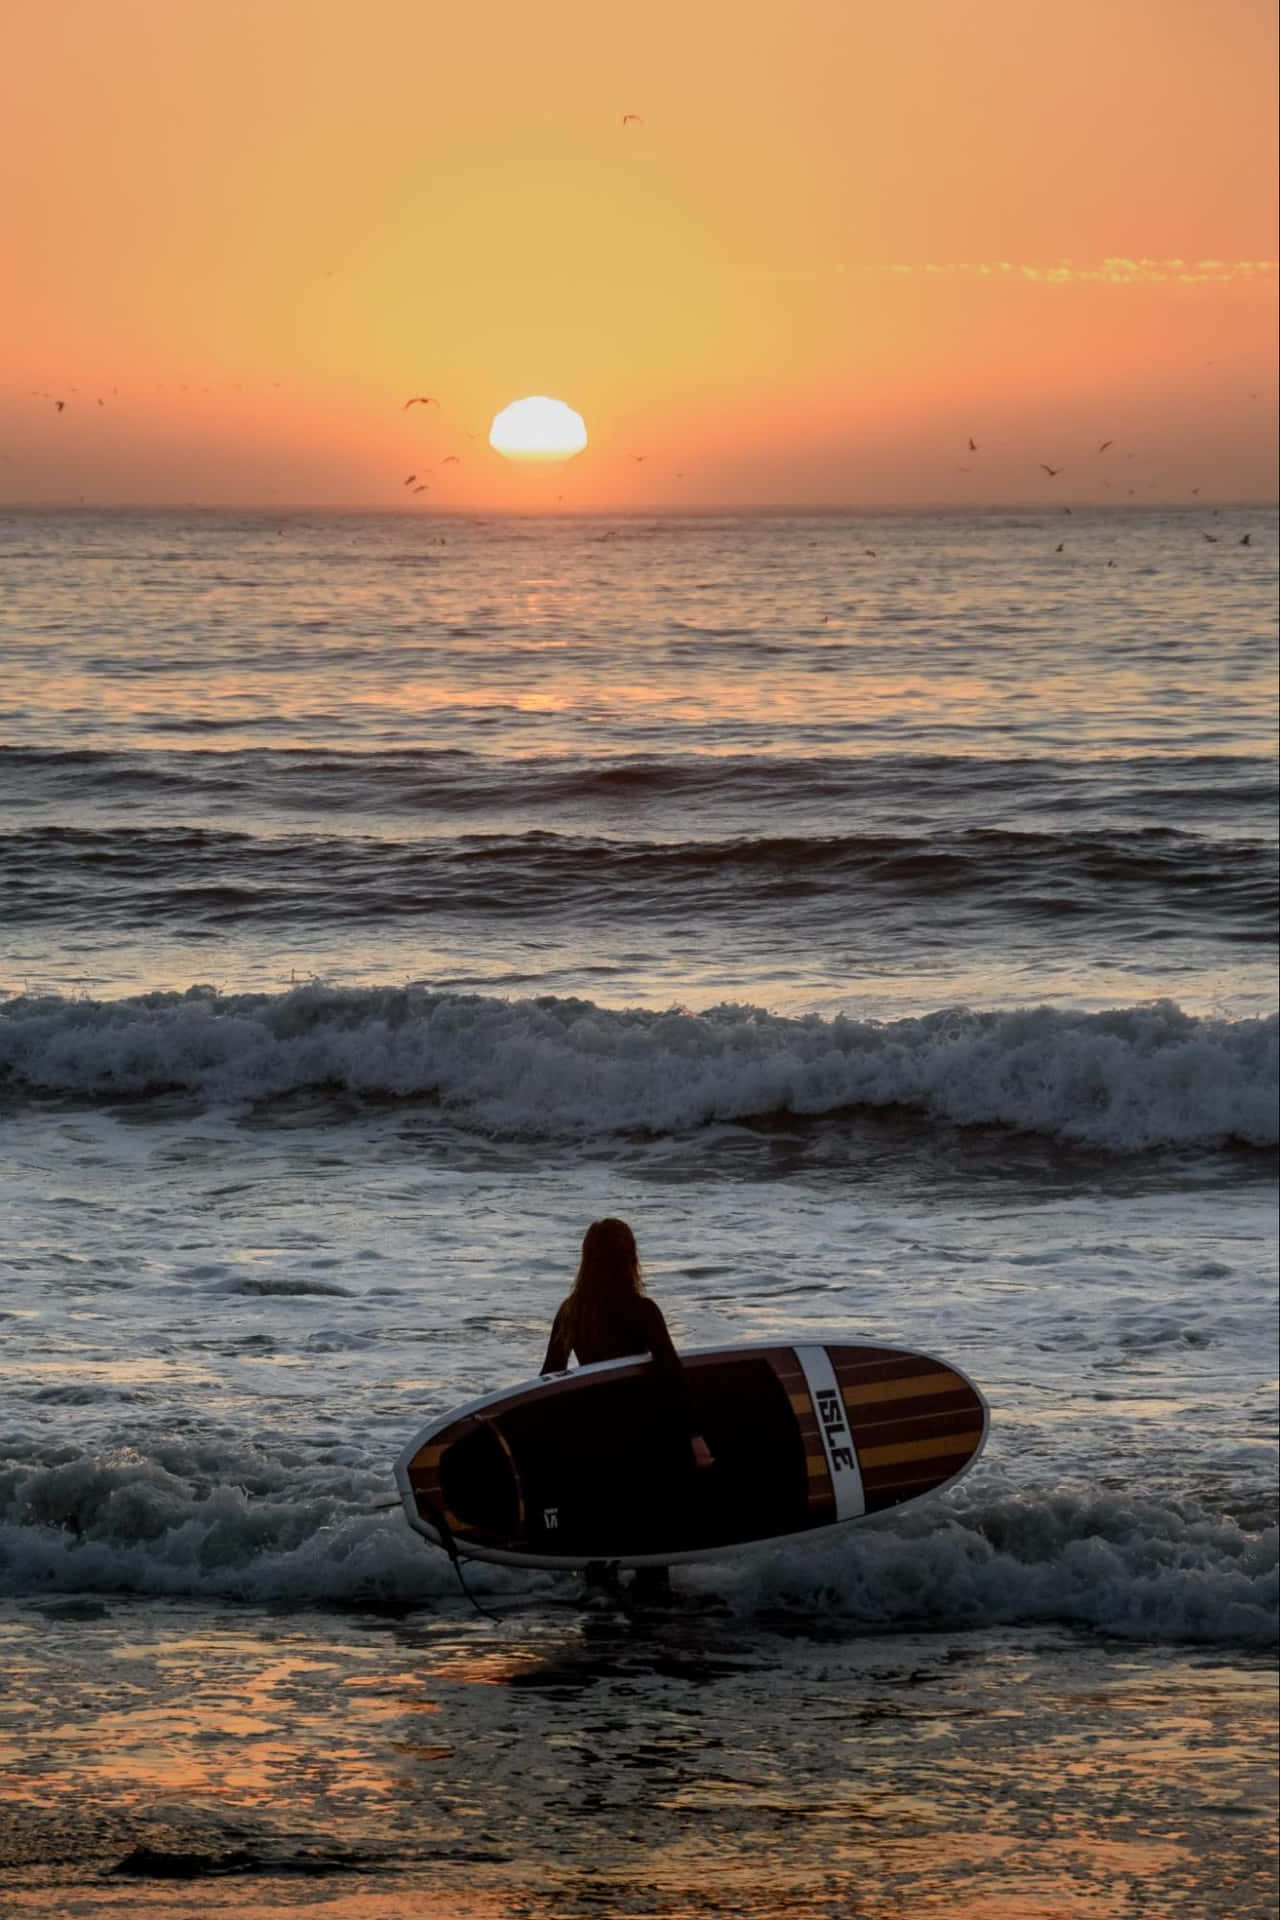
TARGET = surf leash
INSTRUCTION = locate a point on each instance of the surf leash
(434, 1514)
(448, 1542)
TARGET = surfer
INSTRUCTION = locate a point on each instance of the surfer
(608, 1315)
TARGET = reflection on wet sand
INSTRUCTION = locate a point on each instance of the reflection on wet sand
(160, 1762)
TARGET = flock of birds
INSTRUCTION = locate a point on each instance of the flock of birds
(1104, 446)
(418, 485)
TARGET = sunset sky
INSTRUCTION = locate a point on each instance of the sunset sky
(839, 242)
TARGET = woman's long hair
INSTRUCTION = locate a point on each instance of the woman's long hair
(608, 1275)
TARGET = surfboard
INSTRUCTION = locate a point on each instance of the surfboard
(586, 1465)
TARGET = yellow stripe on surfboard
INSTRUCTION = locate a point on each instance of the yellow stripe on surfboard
(908, 1387)
(905, 1450)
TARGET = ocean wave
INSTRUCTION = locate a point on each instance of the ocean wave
(1153, 879)
(184, 1522)
(451, 781)
(1146, 1569)
(1126, 1080)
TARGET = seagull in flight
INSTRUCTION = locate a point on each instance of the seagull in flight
(1105, 445)
(973, 445)
(420, 400)
(59, 404)
(632, 120)
(1052, 472)
(451, 460)
(412, 477)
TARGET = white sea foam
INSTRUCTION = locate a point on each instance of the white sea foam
(280, 1530)
(1124, 1080)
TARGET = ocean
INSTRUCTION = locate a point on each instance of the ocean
(879, 913)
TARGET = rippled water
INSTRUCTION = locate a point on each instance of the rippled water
(806, 763)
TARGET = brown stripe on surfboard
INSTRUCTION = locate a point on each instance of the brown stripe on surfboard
(857, 1367)
(963, 1417)
(913, 1406)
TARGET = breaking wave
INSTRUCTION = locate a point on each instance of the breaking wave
(181, 1522)
(1125, 1081)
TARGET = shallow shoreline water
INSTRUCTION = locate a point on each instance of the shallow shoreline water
(562, 1763)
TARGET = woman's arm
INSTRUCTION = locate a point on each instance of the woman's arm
(559, 1345)
(670, 1371)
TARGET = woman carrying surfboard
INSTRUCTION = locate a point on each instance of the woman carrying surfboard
(607, 1316)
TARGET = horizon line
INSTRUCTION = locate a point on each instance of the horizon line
(675, 510)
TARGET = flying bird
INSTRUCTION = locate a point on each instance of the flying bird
(451, 460)
(973, 445)
(420, 400)
(1105, 445)
(1052, 472)
(632, 120)
(422, 487)
(412, 477)
(59, 404)
(1246, 540)
(1212, 538)
(1058, 548)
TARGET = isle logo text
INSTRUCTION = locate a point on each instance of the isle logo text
(836, 1430)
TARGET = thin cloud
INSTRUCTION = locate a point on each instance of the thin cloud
(1115, 271)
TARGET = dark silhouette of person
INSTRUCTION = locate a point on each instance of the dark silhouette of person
(607, 1315)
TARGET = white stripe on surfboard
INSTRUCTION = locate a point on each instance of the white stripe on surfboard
(833, 1425)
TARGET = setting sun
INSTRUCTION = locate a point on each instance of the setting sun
(538, 429)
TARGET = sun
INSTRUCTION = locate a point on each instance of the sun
(538, 429)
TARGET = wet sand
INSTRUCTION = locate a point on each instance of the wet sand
(175, 1759)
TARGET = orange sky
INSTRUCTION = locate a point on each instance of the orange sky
(842, 241)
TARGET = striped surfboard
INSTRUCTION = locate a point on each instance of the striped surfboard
(588, 1465)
